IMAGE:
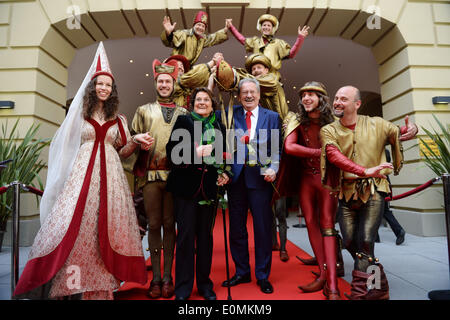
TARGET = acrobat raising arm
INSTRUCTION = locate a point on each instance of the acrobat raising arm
(302, 34)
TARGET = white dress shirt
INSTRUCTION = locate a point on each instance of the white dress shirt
(254, 120)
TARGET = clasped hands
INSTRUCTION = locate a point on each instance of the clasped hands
(206, 151)
(144, 140)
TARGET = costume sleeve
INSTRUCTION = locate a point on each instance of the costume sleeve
(250, 43)
(175, 39)
(171, 143)
(196, 77)
(138, 124)
(330, 173)
(127, 149)
(393, 138)
(284, 49)
(216, 38)
(293, 148)
(239, 37)
(296, 47)
(269, 84)
(341, 161)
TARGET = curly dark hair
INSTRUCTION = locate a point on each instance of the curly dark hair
(90, 101)
(194, 95)
(326, 113)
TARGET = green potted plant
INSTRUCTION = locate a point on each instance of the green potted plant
(435, 150)
(24, 167)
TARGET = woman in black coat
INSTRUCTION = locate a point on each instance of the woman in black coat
(194, 178)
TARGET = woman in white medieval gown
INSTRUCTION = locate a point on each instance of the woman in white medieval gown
(89, 241)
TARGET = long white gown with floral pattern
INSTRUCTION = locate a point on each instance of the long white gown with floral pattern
(90, 240)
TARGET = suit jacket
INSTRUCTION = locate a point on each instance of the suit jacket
(191, 178)
(262, 143)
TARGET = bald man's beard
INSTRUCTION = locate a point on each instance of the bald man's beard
(338, 114)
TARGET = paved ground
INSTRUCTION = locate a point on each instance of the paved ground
(413, 269)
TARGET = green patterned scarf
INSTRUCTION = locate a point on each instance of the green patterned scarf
(208, 136)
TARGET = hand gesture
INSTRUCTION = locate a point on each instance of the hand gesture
(211, 78)
(270, 175)
(204, 150)
(168, 26)
(411, 130)
(303, 31)
(374, 172)
(228, 23)
(217, 57)
(222, 179)
(145, 140)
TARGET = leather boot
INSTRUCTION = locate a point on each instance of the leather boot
(331, 294)
(358, 285)
(330, 249)
(284, 255)
(309, 262)
(383, 292)
(155, 290)
(314, 286)
(359, 290)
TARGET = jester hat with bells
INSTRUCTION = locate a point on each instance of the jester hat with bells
(170, 68)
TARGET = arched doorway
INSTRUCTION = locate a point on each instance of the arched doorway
(41, 43)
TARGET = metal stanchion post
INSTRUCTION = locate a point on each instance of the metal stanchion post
(446, 184)
(15, 236)
(444, 294)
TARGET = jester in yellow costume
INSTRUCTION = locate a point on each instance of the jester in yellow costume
(190, 42)
(152, 171)
(353, 164)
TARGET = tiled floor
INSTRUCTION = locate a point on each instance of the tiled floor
(413, 269)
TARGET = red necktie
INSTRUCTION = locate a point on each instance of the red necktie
(249, 126)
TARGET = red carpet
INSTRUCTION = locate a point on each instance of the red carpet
(285, 276)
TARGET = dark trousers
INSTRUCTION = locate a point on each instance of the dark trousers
(359, 223)
(393, 223)
(241, 199)
(280, 213)
(194, 237)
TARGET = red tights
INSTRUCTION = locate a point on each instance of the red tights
(319, 210)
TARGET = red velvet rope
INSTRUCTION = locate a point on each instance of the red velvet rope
(34, 190)
(4, 189)
(413, 191)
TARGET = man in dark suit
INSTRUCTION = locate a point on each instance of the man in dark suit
(254, 169)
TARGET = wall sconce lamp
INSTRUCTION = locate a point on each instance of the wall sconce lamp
(6, 104)
(441, 100)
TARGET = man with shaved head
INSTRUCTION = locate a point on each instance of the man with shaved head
(353, 164)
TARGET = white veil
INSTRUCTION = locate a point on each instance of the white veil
(66, 142)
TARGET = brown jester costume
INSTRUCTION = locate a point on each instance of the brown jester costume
(152, 170)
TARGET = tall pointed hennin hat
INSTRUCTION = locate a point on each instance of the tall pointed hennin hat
(102, 66)
(66, 142)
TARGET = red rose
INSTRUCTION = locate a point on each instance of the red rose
(245, 139)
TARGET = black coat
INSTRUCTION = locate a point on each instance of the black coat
(191, 178)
